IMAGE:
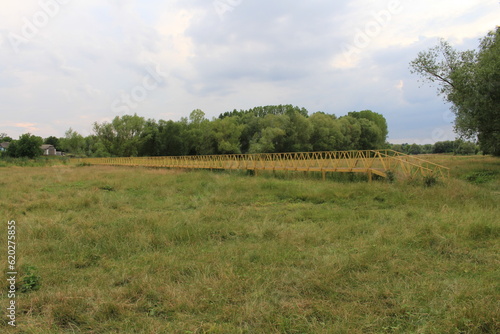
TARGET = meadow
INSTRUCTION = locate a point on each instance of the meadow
(136, 250)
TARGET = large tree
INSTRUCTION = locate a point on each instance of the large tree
(73, 143)
(227, 133)
(122, 137)
(470, 81)
(27, 146)
(326, 135)
(373, 129)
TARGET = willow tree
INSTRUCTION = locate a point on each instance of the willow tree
(470, 81)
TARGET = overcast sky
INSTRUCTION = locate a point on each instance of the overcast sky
(68, 63)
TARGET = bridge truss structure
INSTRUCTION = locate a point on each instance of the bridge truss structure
(371, 162)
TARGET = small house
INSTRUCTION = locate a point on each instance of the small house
(48, 149)
(4, 146)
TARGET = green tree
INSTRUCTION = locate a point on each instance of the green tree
(427, 148)
(252, 126)
(123, 136)
(93, 147)
(199, 135)
(371, 136)
(415, 149)
(194, 133)
(227, 133)
(196, 117)
(172, 138)
(73, 143)
(351, 133)
(447, 146)
(374, 135)
(470, 81)
(465, 148)
(298, 133)
(272, 134)
(4, 138)
(27, 146)
(54, 141)
(326, 134)
(150, 139)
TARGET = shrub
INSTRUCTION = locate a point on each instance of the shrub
(430, 180)
(391, 176)
(30, 281)
(480, 177)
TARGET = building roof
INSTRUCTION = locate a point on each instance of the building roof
(4, 144)
(46, 146)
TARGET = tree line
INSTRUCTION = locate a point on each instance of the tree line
(458, 147)
(268, 129)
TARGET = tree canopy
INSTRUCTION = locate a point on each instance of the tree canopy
(470, 81)
(27, 146)
(268, 129)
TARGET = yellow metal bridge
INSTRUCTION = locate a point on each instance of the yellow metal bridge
(378, 162)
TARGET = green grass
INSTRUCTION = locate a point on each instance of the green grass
(37, 162)
(135, 250)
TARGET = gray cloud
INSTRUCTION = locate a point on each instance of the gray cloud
(258, 53)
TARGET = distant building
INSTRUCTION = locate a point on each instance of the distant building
(48, 149)
(4, 146)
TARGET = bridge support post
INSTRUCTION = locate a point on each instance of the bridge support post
(323, 174)
(370, 176)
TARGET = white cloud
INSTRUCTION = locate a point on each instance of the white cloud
(92, 52)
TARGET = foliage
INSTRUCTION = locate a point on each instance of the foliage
(267, 110)
(430, 180)
(54, 141)
(31, 281)
(458, 147)
(227, 133)
(73, 143)
(28, 146)
(470, 80)
(446, 146)
(269, 129)
(326, 135)
(374, 129)
(121, 137)
(391, 176)
(482, 176)
(5, 138)
(415, 149)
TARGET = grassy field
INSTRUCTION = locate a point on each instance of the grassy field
(135, 250)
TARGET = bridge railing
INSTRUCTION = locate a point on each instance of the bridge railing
(368, 161)
(411, 165)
